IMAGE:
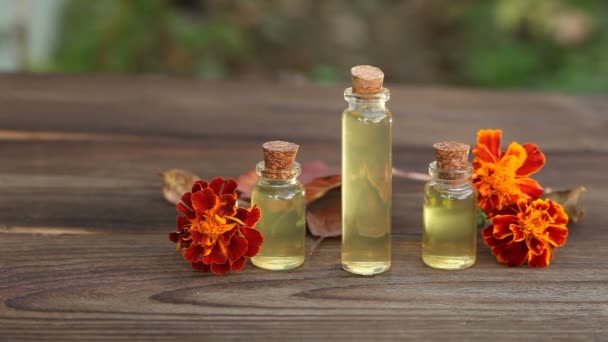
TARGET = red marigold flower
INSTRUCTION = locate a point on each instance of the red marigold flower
(502, 178)
(528, 231)
(214, 234)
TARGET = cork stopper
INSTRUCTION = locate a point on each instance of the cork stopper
(279, 157)
(451, 155)
(367, 79)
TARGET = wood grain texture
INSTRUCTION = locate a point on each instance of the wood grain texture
(83, 226)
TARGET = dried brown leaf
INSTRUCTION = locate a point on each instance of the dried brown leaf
(318, 187)
(316, 169)
(176, 183)
(570, 199)
(324, 217)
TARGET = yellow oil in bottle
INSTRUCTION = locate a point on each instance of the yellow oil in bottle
(283, 224)
(449, 237)
(366, 189)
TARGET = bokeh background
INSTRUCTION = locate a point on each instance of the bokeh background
(556, 45)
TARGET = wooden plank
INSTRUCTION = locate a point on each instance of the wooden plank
(161, 107)
(134, 285)
(83, 227)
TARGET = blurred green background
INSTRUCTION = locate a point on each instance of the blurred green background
(557, 45)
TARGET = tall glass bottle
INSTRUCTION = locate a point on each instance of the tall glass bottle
(449, 236)
(366, 174)
(281, 198)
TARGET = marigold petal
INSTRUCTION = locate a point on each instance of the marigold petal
(482, 154)
(509, 210)
(187, 199)
(203, 200)
(249, 216)
(208, 242)
(200, 213)
(221, 268)
(201, 266)
(488, 145)
(173, 236)
(228, 205)
(557, 213)
(530, 187)
(238, 247)
(535, 160)
(485, 203)
(541, 205)
(185, 210)
(238, 264)
(491, 203)
(542, 260)
(482, 168)
(515, 156)
(241, 214)
(557, 235)
(535, 245)
(196, 236)
(518, 234)
(227, 236)
(522, 204)
(254, 216)
(182, 222)
(193, 254)
(185, 205)
(512, 254)
(181, 244)
(218, 255)
(199, 185)
(502, 225)
(488, 237)
(254, 240)
(217, 185)
(484, 189)
(230, 187)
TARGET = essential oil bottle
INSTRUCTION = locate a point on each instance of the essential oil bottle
(449, 235)
(366, 174)
(281, 198)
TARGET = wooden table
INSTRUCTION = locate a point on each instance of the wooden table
(84, 252)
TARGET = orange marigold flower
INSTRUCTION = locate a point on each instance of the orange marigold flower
(502, 178)
(528, 231)
(214, 234)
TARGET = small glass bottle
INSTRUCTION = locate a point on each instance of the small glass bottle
(366, 174)
(281, 198)
(449, 235)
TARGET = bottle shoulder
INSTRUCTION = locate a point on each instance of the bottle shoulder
(458, 191)
(374, 115)
(279, 191)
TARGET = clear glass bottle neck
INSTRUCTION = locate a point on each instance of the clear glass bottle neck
(278, 177)
(451, 177)
(366, 101)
